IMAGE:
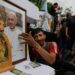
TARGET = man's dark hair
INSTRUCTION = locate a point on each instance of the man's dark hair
(37, 30)
(55, 4)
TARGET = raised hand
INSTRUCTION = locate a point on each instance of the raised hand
(28, 39)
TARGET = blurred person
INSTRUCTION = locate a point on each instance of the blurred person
(57, 20)
(70, 30)
(54, 9)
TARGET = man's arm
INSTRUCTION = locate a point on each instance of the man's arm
(49, 57)
(66, 32)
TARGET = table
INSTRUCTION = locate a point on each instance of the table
(26, 68)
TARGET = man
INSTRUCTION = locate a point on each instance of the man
(46, 52)
(70, 30)
(54, 9)
(12, 31)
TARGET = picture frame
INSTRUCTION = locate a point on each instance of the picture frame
(18, 54)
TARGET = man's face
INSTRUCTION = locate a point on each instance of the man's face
(40, 38)
(11, 21)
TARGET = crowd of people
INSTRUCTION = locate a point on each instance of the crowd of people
(53, 52)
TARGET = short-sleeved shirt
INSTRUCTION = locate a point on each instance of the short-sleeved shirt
(53, 47)
(71, 26)
(50, 47)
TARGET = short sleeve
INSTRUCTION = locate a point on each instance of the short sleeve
(53, 47)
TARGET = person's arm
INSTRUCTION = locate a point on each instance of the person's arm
(67, 28)
(49, 57)
(50, 22)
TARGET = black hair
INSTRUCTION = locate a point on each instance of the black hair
(37, 30)
(68, 15)
(55, 4)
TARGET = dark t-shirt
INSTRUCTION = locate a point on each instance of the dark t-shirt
(71, 26)
(52, 11)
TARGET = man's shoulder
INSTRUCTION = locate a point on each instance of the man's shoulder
(18, 29)
(52, 42)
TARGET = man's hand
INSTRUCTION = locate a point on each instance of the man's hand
(29, 39)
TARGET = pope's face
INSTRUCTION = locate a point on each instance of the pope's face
(11, 21)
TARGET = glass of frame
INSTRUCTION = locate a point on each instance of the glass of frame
(19, 52)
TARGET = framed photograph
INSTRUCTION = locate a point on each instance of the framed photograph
(18, 46)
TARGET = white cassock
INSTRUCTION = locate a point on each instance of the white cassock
(18, 51)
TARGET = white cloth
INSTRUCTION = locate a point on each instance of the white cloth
(12, 35)
(25, 67)
(40, 70)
